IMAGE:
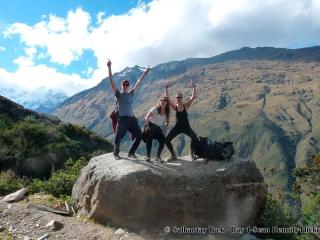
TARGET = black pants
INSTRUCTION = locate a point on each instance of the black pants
(127, 124)
(175, 131)
(155, 132)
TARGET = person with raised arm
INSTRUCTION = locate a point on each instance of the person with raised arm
(126, 120)
(182, 122)
(156, 123)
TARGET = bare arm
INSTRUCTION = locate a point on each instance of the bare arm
(136, 86)
(172, 105)
(113, 85)
(166, 124)
(191, 99)
(149, 115)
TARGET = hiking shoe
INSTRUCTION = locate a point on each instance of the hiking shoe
(193, 157)
(116, 156)
(148, 158)
(132, 155)
(159, 159)
(172, 158)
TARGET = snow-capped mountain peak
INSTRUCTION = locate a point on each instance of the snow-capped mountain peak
(40, 99)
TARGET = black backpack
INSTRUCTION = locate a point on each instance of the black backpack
(205, 148)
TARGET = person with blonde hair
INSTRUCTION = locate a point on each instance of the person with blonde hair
(156, 122)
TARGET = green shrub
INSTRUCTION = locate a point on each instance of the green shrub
(5, 121)
(308, 187)
(24, 139)
(33, 138)
(10, 182)
(277, 214)
(311, 209)
(61, 182)
(36, 185)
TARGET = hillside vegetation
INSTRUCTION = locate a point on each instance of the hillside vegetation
(34, 144)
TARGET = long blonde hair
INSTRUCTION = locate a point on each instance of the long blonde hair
(166, 108)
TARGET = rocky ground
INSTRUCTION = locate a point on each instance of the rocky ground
(17, 221)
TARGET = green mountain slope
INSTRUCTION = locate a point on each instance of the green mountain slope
(33, 144)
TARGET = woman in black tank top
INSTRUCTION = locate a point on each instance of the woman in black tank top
(182, 118)
(182, 121)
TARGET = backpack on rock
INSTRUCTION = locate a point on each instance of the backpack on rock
(209, 150)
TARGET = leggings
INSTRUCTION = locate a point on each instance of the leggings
(175, 131)
(155, 132)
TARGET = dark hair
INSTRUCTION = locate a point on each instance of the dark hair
(166, 109)
(125, 81)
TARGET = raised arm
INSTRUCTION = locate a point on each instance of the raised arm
(172, 105)
(140, 79)
(113, 85)
(191, 99)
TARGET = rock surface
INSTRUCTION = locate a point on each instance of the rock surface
(136, 194)
(16, 196)
(54, 225)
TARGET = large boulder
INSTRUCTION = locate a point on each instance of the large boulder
(137, 194)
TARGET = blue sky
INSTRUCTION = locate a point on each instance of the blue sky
(31, 12)
(64, 44)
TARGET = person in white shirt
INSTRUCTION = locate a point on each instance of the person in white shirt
(156, 123)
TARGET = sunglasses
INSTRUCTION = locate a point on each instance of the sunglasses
(178, 97)
(125, 84)
(163, 100)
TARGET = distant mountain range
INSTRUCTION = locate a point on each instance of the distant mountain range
(265, 100)
(172, 68)
(41, 99)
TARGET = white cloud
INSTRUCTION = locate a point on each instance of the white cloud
(56, 24)
(2, 48)
(63, 39)
(168, 30)
(100, 17)
(30, 52)
(88, 72)
(23, 62)
(165, 30)
(43, 76)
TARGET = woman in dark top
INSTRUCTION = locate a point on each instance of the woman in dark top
(182, 122)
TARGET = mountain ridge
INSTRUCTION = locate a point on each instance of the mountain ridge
(245, 53)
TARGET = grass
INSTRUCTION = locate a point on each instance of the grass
(6, 235)
(46, 199)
